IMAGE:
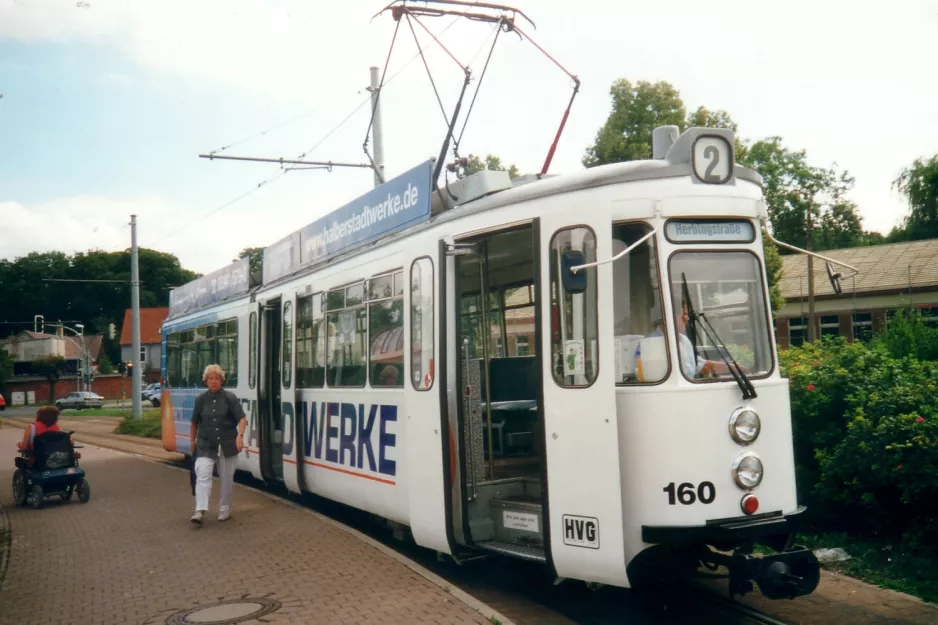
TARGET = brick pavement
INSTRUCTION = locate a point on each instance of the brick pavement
(130, 556)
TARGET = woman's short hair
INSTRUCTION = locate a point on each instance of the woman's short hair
(209, 370)
(47, 415)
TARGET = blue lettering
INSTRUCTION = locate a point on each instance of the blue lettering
(347, 439)
(314, 429)
(288, 429)
(332, 455)
(385, 465)
(364, 436)
(252, 424)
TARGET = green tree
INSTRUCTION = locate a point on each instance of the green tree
(255, 259)
(27, 291)
(773, 269)
(105, 365)
(919, 184)
(491, 163)
(50, 367)
(795, 190)
(636, 111)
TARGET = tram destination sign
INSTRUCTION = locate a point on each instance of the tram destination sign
(214, 287)
(397, 204)
(709, 231)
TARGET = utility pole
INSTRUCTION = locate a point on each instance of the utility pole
(135, 311)
(812, 330)
(376, 136)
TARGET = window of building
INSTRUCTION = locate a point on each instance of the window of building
(386, 330)
(347, 338)
(287, 350)
(518, 319)
(830, 325)
(143, 353)
(310, 343)
(862, 326)
(574, 345)
(421, 324)
(637, 308)
(797, 331)
(522, 346)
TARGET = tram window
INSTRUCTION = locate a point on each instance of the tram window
(286, 372)
(205, 350)
(173, 349)
(347, 332)
(189, 376)
(386, 337)
(574, 344)
(252, 350)
(636, 308)
(518, 314)
(471, 323)
(421, 324)
(728, 288)
(227, 339)
(310, 348)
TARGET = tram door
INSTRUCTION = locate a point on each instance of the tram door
(270, 425)
(579, 408)
(496, 354)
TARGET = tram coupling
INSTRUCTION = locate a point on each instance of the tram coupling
(783, 575)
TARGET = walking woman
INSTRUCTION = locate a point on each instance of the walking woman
(217, 435)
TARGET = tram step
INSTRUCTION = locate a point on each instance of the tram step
(518, 520)
(532, 553)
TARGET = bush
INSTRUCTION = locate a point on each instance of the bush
(147, 426)
(865, 425)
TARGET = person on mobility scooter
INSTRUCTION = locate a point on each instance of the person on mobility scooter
(48, 463)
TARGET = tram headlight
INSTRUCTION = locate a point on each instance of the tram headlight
(747, 470)
(745, 425)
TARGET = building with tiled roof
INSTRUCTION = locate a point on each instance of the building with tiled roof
(150, 340)
(27, 346)
(890, 277)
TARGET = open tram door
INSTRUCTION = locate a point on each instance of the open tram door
(583, 511)
(270, 416)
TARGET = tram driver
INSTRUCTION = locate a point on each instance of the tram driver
(691, 366)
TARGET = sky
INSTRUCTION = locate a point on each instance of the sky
(107, 104)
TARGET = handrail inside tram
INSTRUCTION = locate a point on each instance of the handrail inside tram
(617, 256)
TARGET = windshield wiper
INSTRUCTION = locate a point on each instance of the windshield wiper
(745, 385)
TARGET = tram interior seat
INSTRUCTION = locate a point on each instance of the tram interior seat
(513, 380)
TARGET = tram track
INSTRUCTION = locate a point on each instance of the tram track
(525, 593)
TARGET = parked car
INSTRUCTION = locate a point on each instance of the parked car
(3, 403)
(79, 400)
(145, 392)
(154, 394)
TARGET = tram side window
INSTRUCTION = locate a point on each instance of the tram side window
(636, 307)
(287, 349)
(252, 350)
(189, 376)
(574, 344)
(421, 324)
(227, 339)
(386, 330)
(173, 349)
(310, 343)
(347, 332)
(205, 349)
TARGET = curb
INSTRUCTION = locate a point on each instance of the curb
(475, 604)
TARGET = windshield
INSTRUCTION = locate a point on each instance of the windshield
(726, 289)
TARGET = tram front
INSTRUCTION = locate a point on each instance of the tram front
(705, 438)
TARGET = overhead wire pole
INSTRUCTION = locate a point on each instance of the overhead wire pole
(135, 314)
(376, 135)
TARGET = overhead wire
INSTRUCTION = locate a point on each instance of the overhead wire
(284, 171)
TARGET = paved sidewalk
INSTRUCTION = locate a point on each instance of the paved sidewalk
(130, 556)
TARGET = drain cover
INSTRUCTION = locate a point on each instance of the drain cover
(225, 612)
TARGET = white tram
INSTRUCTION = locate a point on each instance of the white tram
(578, 370)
